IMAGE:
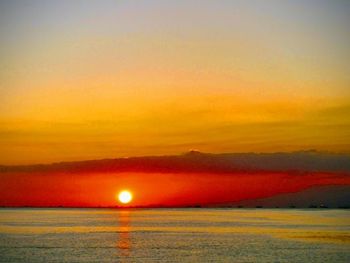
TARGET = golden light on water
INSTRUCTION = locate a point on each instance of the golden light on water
(125, 197)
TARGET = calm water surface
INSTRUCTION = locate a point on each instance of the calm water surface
(174, 235)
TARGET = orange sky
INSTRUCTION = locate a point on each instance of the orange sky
(124, 78)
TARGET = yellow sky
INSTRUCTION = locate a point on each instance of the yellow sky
(131, 78)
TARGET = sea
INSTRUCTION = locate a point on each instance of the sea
(174, 235)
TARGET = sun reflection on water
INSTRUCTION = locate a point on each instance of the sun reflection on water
(123, 242)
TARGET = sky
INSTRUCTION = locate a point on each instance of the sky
(100, 79)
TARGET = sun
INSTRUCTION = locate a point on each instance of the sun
(125, 197)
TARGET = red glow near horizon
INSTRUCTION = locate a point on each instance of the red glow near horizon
(163, 189)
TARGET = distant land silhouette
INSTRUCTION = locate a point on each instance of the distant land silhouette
(194, 161)
(330, 196)
(193, 179)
